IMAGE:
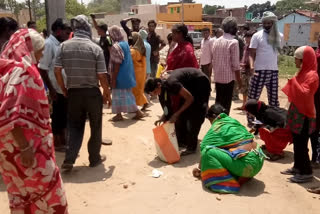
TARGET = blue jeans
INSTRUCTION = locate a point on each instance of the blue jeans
(83, 103)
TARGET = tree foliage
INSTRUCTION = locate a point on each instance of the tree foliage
(258, 9)
(107, 6)
(211, 10)
(74, 8)
(286, 6)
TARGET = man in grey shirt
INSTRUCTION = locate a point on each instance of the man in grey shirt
(84, 66)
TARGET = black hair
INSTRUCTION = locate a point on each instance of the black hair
(249, 33)
(151, 85)
(246, 27)
(104, 27)
(30, 23)
(229, 25)
(169, 37)
(215, 110)
(135, 20)
(182, 28)
(8, 24)
(58, 25)
(152, 22)
(205, 29)
(45, 33)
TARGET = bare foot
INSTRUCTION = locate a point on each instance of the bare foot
(139, 115)
(116, 118)
(145, 106)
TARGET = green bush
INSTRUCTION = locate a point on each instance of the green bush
(287, 67)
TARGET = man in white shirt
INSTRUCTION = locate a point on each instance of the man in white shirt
(206, 53)
(264, 49)
(60, 33)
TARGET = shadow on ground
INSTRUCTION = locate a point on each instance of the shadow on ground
(85, 174)
(252, 188)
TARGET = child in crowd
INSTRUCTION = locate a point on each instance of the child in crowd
(245, 69)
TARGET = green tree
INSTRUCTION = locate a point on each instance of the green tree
(106, 6)
(74, 8)
(287, 6)
(211, 10)
(259, 9)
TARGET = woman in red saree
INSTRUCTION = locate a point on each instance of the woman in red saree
(27, 163)
(183, 55)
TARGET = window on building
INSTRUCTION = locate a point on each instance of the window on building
(178, 10)
(171, 9)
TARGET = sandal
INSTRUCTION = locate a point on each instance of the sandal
(106, 142)
(301, 178)
(103, 158)
(275, 157)
(315, 190)
(239, 108)
(116, 119)
(187, 152)
(290, 171)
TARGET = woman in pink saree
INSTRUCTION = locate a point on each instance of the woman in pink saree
(27, 162)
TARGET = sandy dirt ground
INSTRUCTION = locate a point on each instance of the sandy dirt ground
(123, 183)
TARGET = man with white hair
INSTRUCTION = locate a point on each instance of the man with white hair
(264, 49)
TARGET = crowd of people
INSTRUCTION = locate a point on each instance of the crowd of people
(79, 75)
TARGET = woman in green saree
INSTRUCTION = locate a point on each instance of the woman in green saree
(229, 156)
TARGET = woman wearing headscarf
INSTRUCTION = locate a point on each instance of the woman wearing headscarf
(229, 155)
(301, 114)
(144, 36)
(183, 55)
(27, 162)
(123, 77)
(138, 54)
(273, 130)
(315, 161)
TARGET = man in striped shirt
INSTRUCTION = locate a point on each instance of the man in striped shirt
(85, 67)
(226, 63)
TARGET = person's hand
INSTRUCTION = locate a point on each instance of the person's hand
(252, 71)
(93, 16)
(27, 158)
(158, 122)
(53, 94)
(113, 83)
(107, 99)
(174, 118)
(65, 92)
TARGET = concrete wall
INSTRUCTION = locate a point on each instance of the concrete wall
(192, 13)
(23, 17)
(115, 19)
(238, 13)
(292, 18)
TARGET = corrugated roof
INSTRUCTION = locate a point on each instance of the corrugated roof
(307, 13)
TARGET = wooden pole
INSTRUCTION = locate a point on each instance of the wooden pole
(30, 12)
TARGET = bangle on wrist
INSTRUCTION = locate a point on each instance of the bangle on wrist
(25, 149)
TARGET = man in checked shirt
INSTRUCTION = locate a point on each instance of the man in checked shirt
(226, 63)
